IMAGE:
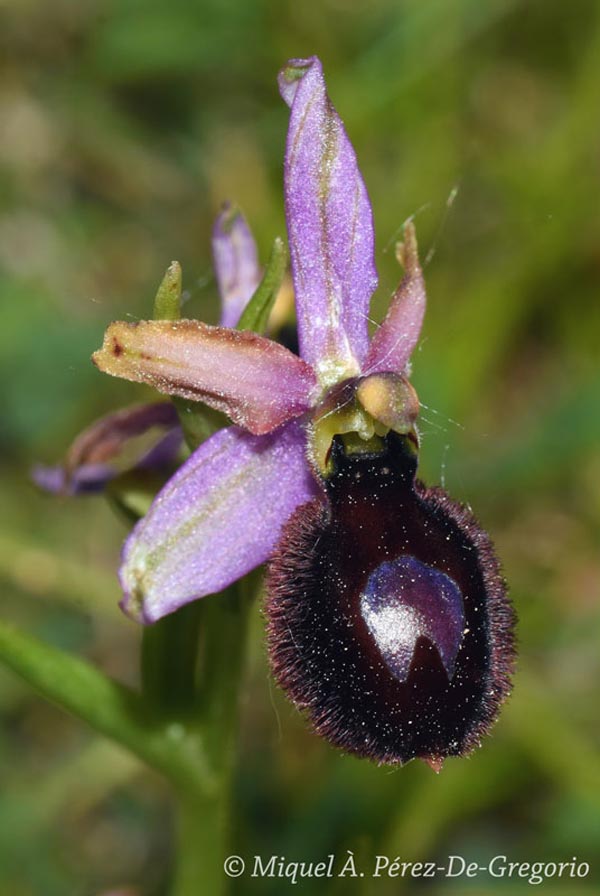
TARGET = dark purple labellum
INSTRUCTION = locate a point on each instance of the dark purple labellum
(388, 620)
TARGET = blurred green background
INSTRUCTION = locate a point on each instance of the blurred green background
(123, 126)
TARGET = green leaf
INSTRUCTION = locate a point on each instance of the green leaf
(167, 303)
(108, 706)
(256, 313)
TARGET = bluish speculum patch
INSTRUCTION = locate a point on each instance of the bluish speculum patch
(405, 600)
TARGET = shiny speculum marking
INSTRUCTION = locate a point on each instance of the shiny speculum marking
(405, 600)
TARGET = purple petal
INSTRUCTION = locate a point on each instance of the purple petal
(90, 479)
(396, 338)
(330, 227)
(257, 382)
(236, 263)
(86, 468)
(215, 520)
(87, 479)
(50, 479)
(163, 453)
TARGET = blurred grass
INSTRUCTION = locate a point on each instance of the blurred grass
(124, 125)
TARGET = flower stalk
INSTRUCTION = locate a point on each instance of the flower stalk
(204, 814)
(168, 661)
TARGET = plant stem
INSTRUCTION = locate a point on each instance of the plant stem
(202, 834)
(204, 815)
(168, 660)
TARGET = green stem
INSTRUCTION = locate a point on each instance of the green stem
(204, 817)
(168, 660)
(202, 835)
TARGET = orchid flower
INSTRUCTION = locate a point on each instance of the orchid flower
(387, 617)
(222, 514)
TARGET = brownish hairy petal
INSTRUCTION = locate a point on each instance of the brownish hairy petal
(258, 383)
(395, 340)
